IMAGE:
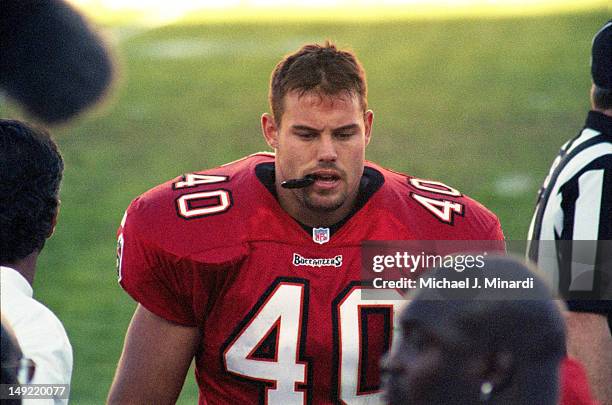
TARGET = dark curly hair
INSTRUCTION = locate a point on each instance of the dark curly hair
(30, 175)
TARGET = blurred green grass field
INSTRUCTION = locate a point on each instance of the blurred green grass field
(480, 104)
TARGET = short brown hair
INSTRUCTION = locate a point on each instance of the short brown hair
(324, 69)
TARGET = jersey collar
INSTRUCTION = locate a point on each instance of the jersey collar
(371, 181)
(599, 122)
(13, 278)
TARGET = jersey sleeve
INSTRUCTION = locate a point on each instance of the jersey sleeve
(496, 233)
(180, 244)
(158, 280)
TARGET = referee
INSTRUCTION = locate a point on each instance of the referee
(571, 230)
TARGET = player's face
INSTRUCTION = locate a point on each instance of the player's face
(323, 136)
(411, 370)
(427, 367)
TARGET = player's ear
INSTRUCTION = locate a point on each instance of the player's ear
(270, 130)
(368, 119)
(499, 371)
(592, 96)
(54, 220)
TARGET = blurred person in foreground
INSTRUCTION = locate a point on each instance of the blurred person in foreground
(253, 268)
(54, 63)
(499, 347)
(30, 174)
(12, 362)
(10, 354)
(571, 231)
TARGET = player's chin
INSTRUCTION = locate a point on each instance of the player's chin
(324, 203)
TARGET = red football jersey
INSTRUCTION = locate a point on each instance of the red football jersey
(575, 388)
(280, 308)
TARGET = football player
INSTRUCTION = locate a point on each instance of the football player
(253, 268)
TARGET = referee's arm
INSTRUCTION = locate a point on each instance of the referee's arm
(576, 211)
(589, 340)
(589, 336)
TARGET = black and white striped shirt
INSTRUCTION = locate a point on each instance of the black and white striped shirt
(570, 237)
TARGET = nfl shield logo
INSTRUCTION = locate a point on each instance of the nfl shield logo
(320, 235)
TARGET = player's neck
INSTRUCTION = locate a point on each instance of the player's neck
(297, 210)
(26, 267)
(604, 111)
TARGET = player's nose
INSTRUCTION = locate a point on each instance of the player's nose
(326, 149)
(389, 364)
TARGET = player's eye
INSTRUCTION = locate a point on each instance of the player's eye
(306, 135)
(344, 135)
(416, 339)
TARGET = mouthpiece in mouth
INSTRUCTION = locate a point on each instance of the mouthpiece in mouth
(305, 181)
